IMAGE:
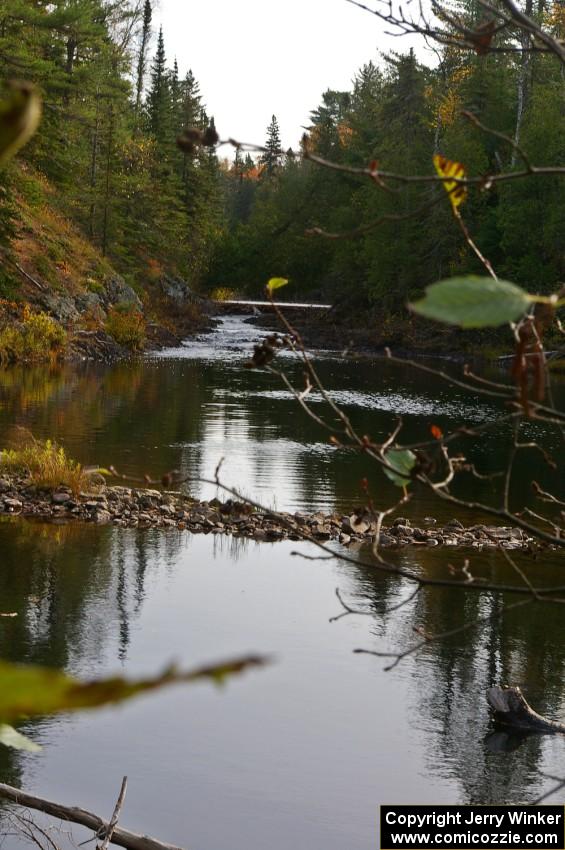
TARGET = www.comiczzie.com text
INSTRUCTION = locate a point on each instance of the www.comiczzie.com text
(461, 827)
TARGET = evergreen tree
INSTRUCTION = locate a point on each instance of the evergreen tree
(142, 57)
(271, 159)
(159, 97)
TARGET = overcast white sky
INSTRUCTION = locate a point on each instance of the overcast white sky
(254, 58)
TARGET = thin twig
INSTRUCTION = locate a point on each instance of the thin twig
(116, 815)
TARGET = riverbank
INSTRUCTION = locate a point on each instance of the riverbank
(105, 326)
(127, 507)
(407, 334)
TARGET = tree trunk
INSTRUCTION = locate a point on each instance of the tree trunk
(523, 80)
(93, 168)
(511, 709)
(108, 182)
(120, 837)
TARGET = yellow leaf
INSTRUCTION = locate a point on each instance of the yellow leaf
(19, 117)
(446, 169)
(276, 283)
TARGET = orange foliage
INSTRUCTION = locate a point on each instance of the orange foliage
(254, 174)
(344, 134)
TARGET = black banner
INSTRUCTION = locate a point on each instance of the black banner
(472, 827)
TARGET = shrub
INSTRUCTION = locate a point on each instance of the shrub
(126, 326)
(223, 293)
(47, 465)
(95, 286)
(37, 337)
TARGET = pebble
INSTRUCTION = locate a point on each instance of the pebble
(12, 505)
(125, 507)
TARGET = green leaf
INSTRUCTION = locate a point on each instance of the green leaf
(27, 690)
(276, 283)
(19, 116)
(10, 737)
(473, 302)
(402, 462)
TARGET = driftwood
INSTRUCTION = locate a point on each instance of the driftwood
(101, 827)
(511, 709)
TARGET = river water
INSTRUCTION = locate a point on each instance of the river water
(302, 753)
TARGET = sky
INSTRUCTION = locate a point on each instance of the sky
(255, 58)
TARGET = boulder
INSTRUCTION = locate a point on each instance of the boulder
(91, 302)
(176, 289)
(119, 292)
(61, 307)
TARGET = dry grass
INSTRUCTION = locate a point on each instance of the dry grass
(47, 465)
(49, 246)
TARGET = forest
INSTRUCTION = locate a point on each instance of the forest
(372, 534)
(121, 154)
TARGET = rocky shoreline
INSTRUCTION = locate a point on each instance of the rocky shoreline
(127, 507)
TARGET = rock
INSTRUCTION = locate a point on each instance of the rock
(321, 532)
(119, 493)
(151, 494)
(119, 292)
(91, 303)
(356, 524)
(454, 523)
(403, 531)
(387, 541)
(176, 289)
(151, 508)
(317, 519)
(13, 505)
(61, 307)
(60, 498)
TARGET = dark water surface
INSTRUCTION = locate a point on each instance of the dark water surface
(300, 754)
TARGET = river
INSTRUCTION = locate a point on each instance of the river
(302, 753)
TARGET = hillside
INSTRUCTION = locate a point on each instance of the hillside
(52, 269)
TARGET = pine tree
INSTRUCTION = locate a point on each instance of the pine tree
(271, 159)
(158, 100)
(142, 57)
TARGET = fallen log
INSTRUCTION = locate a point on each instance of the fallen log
(511, 709)
(73, 814)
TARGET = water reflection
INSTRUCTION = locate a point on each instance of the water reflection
(301, 754)
(187, 408)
